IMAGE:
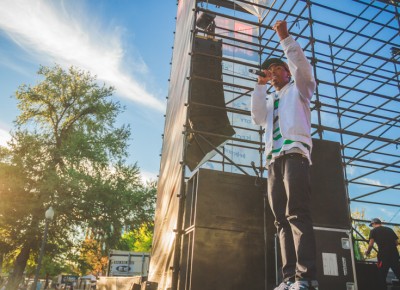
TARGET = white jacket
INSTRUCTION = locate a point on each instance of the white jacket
(294, 104)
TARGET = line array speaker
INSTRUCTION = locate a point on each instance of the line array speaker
(206, 101)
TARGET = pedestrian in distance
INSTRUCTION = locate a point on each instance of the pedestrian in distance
(388, 255)
(286, 117)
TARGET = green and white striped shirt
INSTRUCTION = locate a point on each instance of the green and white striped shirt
(279, 144)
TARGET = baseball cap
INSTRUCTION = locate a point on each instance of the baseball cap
(277, 61)
(375, 221)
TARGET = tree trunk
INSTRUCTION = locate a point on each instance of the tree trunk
(46, 285)
(1, 263)
(19, 267)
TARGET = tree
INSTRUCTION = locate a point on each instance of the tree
(144, 239)
(91, 259)
(137, 240)
(67, 152)
(360, 235)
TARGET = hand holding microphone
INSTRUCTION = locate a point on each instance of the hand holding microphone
(257, 72)
(263, 77)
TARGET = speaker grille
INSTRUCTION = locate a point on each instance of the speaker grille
(329, 202)
(206, 102)
(223, 245)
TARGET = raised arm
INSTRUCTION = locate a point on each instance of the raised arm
(299, 66)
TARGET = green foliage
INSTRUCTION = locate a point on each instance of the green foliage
(361, 236)
(127, 241)
(397, 231)
(66, 151)
(144, 239)
(137, 240)
(53, 266)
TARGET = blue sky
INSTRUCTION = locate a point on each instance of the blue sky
(126, 43)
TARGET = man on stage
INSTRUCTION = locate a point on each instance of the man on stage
(388, 256)
(285, 115)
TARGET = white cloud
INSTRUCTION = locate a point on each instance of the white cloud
(371, 181)
(148, 176)
(4, 137)
(63, 35)
(350, 170)
(387, 212)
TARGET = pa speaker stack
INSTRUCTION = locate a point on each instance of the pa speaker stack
(207, 111)
(331, 217)
(223, 242)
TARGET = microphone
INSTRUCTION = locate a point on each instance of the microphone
(258, 181)
(257, 72)
(254, 168)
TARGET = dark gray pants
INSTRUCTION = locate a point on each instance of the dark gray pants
(383, 269)
(289, 198)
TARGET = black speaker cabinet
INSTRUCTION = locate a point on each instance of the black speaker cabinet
(223, 259)
(334, 258)
(329, 202)
(223, 200)
(223, 245)
(206, 102)
(335, 263)
(367, 276)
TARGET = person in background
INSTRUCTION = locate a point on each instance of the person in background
(286, 117)
(388, 255)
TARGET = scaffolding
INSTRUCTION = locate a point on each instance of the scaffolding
(354, 48)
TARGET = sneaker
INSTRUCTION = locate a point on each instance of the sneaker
(303, 285)
(284, 286)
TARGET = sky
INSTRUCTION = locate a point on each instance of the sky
(125, 43)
